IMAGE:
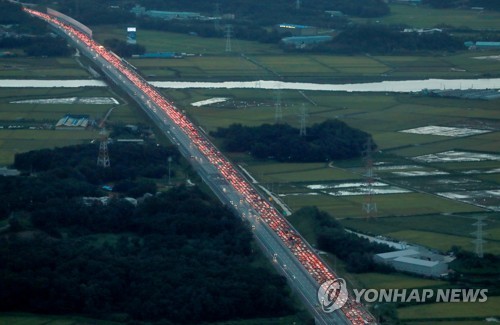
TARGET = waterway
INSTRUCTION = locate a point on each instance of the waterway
(383, 86)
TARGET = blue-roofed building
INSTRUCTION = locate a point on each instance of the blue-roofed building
(482, 45)
(297, 30)
(72, 122)
(487, 45)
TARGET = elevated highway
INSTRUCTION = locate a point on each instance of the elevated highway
(290, 253)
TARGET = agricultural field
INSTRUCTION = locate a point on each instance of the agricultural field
(253, 61)
(199, 68)
(157, 41)
(425, 17)
(33, 319)
(413, 185)
(29, 126)
(41, 68)
(451, 310)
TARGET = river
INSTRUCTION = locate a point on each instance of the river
(383, 86)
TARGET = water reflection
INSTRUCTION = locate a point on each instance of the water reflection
(384, 86)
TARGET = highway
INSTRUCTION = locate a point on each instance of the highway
(290, 253)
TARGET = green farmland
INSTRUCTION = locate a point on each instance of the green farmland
(451, 310)
(29, 126)
(41, 68)
(425, 17)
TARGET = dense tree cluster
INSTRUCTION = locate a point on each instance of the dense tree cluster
(487, 4)
(475, 271)
(357, 252)
(128, 161)
(381, 39)
(329, 140)
(175, 258)
(122, 48)
(71, 172)
(13, 14)
(28, 33)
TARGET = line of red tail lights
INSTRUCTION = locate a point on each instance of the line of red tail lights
(354, 312)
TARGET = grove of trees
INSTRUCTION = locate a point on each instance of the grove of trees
(329, 140)
(355, 251)
(178, 257)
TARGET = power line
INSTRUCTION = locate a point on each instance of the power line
(369, 204)
(479, 233)
(228, 38)
(303, 120)
(278, 110)
(103, 157)
(217, 16)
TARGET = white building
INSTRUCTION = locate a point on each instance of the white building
(415, 261)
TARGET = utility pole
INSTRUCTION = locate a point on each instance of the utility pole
(278, 111)
(228, 38)
(303, 120)
(103, 158)
(169, 168)
(217, 17)
(479, 233)
(369, 205)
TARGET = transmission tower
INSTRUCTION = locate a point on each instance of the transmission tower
(303, 120)
(103, 158)
(228, 38)
(479, 233)
(278, 110)
(217, 17)
(369, 204)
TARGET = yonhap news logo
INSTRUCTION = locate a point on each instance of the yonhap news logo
(333, 295)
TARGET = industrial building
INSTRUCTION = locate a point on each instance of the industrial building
(167, 15)
(72, 122)
(421, 262)
(297, 30)
(482, 45)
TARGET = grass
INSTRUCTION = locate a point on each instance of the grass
(41, 68)
(156, 41)
(199, 68)
(266, 321)
(388, 205)
(14, 141)
(17, 141)
(33, 319)
(290, 172)
(436, 231)
(452, 310)
(394, 281)
(425, 17)
(441, 242)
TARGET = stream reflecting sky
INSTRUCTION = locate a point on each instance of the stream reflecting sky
(383, 86)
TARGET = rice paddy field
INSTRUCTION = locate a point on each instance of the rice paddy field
(425, 17)
(28, 117)
(459, 310)
(33, 319)
(41, 68)
(318, 68)
(437, 158)
(156, 41)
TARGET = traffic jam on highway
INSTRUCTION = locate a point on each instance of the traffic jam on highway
(354, 312)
